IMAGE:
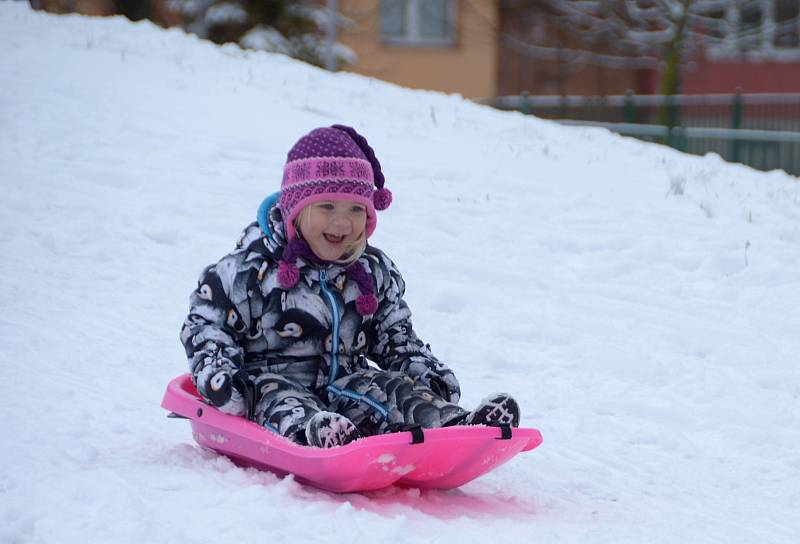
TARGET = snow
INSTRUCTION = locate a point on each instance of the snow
(225, 13)
(265, 38)
(640, 303)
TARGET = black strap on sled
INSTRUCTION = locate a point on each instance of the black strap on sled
(248, 390)
(505, 431)
(417, 435)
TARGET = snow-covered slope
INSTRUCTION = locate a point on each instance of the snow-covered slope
(641, 304)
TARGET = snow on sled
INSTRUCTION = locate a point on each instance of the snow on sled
(436, 458)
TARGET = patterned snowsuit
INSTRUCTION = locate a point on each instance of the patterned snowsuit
(307, 349)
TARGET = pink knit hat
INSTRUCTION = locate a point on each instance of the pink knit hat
(332, 163)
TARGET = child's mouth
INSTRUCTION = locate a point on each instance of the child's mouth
(333, 239)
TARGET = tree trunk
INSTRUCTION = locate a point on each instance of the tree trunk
(671, 75)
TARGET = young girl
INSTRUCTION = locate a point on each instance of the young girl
(309, 317)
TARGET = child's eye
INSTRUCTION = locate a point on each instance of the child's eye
(358, 209)
(326, 206)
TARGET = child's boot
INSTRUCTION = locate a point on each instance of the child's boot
(329, 429)
(494, 410)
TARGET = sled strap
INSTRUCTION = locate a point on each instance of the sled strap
(248, 390)
(505, 431)
(417, 435)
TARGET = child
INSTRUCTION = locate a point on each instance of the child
(302, 311)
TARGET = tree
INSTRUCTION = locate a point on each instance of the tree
(665, 33)
(668, 30)
(303, 29)
(292, 27)
(542, 30)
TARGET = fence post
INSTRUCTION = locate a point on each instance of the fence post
(525, 103)
(629, 111)
(736, 123)
(668, 120)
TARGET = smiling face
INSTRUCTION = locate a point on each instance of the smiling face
(333, 228)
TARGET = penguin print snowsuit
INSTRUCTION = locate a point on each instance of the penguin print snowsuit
(306, 349)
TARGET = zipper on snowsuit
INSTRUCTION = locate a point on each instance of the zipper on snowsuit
(333, 371)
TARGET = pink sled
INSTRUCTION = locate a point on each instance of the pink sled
(446, 458)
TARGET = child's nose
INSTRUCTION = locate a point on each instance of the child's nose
(341, 221)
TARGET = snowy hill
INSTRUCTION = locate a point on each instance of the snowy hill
(640, 303)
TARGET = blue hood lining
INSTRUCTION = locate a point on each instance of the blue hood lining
(262, 215)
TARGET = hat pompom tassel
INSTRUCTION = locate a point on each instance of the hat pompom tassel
(366, 304)
(288, 275)
(382, 198)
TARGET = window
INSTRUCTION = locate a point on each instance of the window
(751, 26)
(418, 22)
(763, 29)
(787, 24)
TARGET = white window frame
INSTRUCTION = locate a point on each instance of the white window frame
(412, 26)
(767, 49)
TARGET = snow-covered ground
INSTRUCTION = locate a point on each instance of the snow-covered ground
(642, 304)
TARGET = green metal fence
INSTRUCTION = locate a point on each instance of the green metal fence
(760, 130)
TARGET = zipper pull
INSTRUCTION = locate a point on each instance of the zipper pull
(322, 276)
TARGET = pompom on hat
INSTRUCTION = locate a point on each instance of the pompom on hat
(331, 163)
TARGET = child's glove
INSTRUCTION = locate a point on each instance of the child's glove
(446, 386)
(449, 390)
(221, 389)
(438, 386)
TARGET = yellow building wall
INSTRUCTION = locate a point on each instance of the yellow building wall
(469, 67)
